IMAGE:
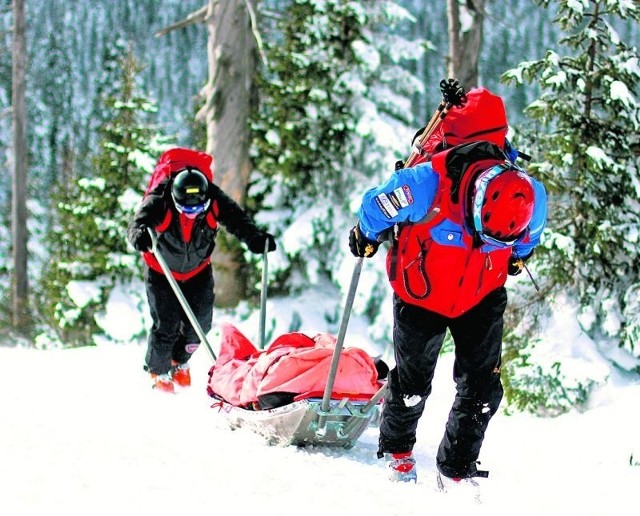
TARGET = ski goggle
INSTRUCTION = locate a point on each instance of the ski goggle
(193, 209)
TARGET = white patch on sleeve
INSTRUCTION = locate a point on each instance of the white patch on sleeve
(402, 198)
(389, 210)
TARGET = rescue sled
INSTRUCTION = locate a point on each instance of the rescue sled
(334, 419)
(300, 423)
(257, 389)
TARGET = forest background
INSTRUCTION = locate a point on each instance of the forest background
(337, 91)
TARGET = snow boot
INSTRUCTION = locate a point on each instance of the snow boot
(163, 383)
(464, 487)
(181, 374)
(402, 467)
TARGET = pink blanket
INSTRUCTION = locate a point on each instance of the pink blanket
(294, 364)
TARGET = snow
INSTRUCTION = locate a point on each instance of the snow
(82, 432)
(619, 91)
(83, 292)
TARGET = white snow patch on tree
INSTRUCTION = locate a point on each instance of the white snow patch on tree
(120, 305)
(619, 91)
(578, 5)
(599, 157)
(83, 292)
(366, 53)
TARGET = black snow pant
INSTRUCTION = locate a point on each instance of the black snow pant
(172, 336)
(418, 336)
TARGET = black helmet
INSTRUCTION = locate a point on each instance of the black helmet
(189, 191)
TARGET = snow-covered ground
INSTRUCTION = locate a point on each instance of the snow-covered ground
(82, 432)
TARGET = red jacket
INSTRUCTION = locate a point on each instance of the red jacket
(437, 264)
(187, 244)
(437, 260)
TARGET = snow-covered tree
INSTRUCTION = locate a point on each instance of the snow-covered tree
(588, 138)
(336, 114)
(89, 250)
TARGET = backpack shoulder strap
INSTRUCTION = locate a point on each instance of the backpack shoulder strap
(164, 225)
(455, 162)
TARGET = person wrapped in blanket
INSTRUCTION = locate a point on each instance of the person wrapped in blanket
(459, 223)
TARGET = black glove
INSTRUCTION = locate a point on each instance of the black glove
(257, 243)
(360, 246)
(516, 264)
(141, 239)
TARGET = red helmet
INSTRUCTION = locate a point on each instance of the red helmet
(503, 203)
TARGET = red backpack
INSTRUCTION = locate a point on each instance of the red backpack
(176, 159)
(434, 263)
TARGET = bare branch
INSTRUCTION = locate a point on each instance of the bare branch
(273, 15)
(256, 33)
(6, 112)
(195, 17)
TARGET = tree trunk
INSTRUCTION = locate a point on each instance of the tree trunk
(228, 93)
(20, 315)
(465, 41)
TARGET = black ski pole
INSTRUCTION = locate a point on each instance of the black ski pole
(263, 294)
(535, 284)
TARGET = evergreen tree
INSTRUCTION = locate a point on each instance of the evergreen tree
(69, 50)
(335, 110)
(347, 65)
(5, 174)
(589, 141)
(304, 123)
(513, 31)
(57, 93)
(330, 64)
(89, 250)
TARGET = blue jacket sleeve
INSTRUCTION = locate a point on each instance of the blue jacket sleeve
(406, 196)
(538, 222)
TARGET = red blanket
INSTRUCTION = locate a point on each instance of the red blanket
(294, 364)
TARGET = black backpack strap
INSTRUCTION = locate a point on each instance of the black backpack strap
(459, 158)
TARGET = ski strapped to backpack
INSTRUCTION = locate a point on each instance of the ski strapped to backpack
(452, 95)
(460, 118)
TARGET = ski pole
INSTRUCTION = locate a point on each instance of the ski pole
(452, 95)
(524, 266)
(176, 289)
(535, 283)
(263, 294)
(355, 277)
